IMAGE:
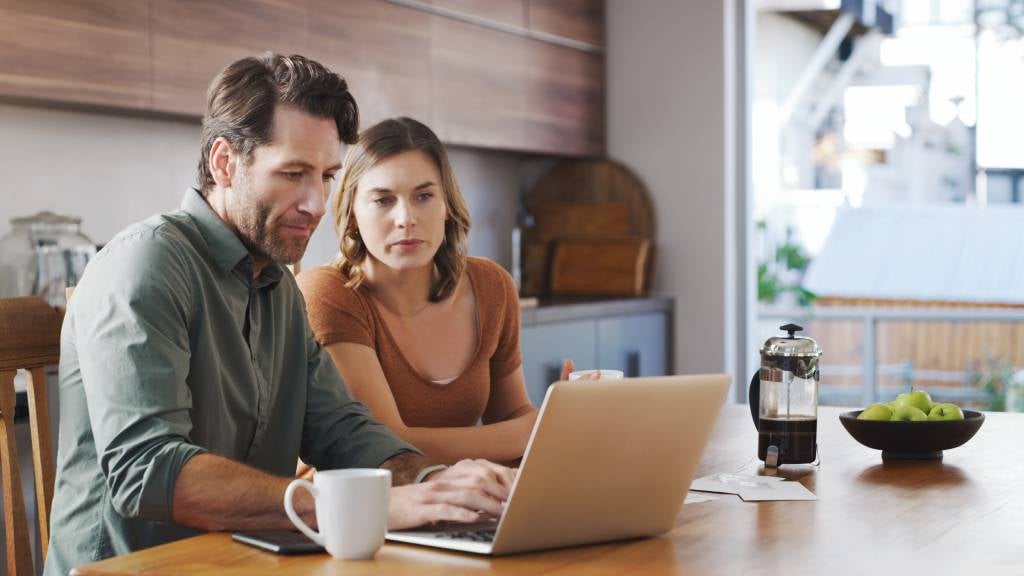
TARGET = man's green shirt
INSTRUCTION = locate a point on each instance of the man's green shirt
(170, 349)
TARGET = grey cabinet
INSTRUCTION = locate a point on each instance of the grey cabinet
(637, 344)
(545, 346)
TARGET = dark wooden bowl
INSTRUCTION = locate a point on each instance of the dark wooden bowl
(912, 440)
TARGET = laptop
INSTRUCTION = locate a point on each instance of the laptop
(607, 460)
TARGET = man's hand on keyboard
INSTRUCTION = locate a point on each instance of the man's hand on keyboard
(469, 491)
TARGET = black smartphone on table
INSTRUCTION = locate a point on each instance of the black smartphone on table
(278, 541)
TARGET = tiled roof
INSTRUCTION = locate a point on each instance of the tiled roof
(945, 253)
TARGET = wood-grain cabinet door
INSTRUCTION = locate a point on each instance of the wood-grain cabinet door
(578, 20)
(563, 101)
(500, 90)
(88, 52)
(545, 346)
(474, 84)
(193, 40)
(477, 87)
(383, 52)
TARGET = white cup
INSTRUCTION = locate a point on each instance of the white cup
(604, 374)
(351, 510)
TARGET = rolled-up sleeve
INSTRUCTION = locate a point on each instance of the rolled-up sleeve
(132, 335)
(339, 431)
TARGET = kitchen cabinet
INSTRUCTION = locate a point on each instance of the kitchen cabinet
(92, 53)
(508, 12)
(579, 20)
(193, 40)
(563, 99)
(576, 20)
(637, 345)
(477, 84)
(545, 346)
(632, 336)
(514, 93)
(384, 52)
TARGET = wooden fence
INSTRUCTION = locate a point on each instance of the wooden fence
(940, 347)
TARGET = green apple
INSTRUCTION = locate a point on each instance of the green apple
(876, 412)
(946, 412)
(917, 398)
(909, 413)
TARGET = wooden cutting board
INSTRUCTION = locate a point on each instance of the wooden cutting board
(580, 220)
(600, 267)
(580, 199)
(555, 221)
(597, 181)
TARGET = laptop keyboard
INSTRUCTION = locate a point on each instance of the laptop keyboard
(477, 536)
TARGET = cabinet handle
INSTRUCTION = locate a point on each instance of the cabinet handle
(632, 364)
(554, 373)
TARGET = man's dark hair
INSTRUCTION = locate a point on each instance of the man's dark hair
(241, 101)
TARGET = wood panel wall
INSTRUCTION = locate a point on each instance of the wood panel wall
(475, 85)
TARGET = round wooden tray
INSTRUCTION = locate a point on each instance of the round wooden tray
(596, 181)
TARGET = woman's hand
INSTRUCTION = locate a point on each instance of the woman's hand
(568, 368)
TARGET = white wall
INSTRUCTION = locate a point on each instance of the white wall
(114, 170)
(672, 116)
(108, 170)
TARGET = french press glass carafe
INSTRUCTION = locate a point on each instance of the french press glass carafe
(784, 399)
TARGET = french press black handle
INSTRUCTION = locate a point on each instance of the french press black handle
(754, 399)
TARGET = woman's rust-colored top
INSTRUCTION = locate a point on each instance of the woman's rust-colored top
(340, 314)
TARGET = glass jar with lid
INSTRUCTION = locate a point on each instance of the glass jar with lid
(42, 255)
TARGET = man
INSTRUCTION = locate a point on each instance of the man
(190, 381)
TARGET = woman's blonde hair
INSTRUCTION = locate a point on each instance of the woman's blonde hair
(376, 144)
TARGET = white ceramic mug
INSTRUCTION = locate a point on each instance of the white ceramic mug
(604, 374)
(351, 510)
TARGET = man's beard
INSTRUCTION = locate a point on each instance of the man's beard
(261, 236)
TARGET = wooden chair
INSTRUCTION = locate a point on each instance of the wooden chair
(29, 340)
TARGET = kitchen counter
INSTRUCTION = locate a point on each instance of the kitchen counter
(564, 309)
(633, 335)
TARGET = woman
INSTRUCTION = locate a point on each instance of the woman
(425, 336)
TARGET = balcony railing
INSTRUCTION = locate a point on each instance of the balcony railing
(905, 371)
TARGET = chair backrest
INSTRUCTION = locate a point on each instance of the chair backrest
(29, 340)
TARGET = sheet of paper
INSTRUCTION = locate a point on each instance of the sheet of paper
(777, 491)
(697, 498)
(731, 483)
(753, 488)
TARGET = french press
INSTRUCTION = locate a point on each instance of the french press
(784, 399)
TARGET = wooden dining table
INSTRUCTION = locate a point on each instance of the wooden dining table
(963, 514)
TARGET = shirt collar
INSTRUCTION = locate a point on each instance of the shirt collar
(225, 247)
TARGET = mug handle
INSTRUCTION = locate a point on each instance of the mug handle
(289, 494)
